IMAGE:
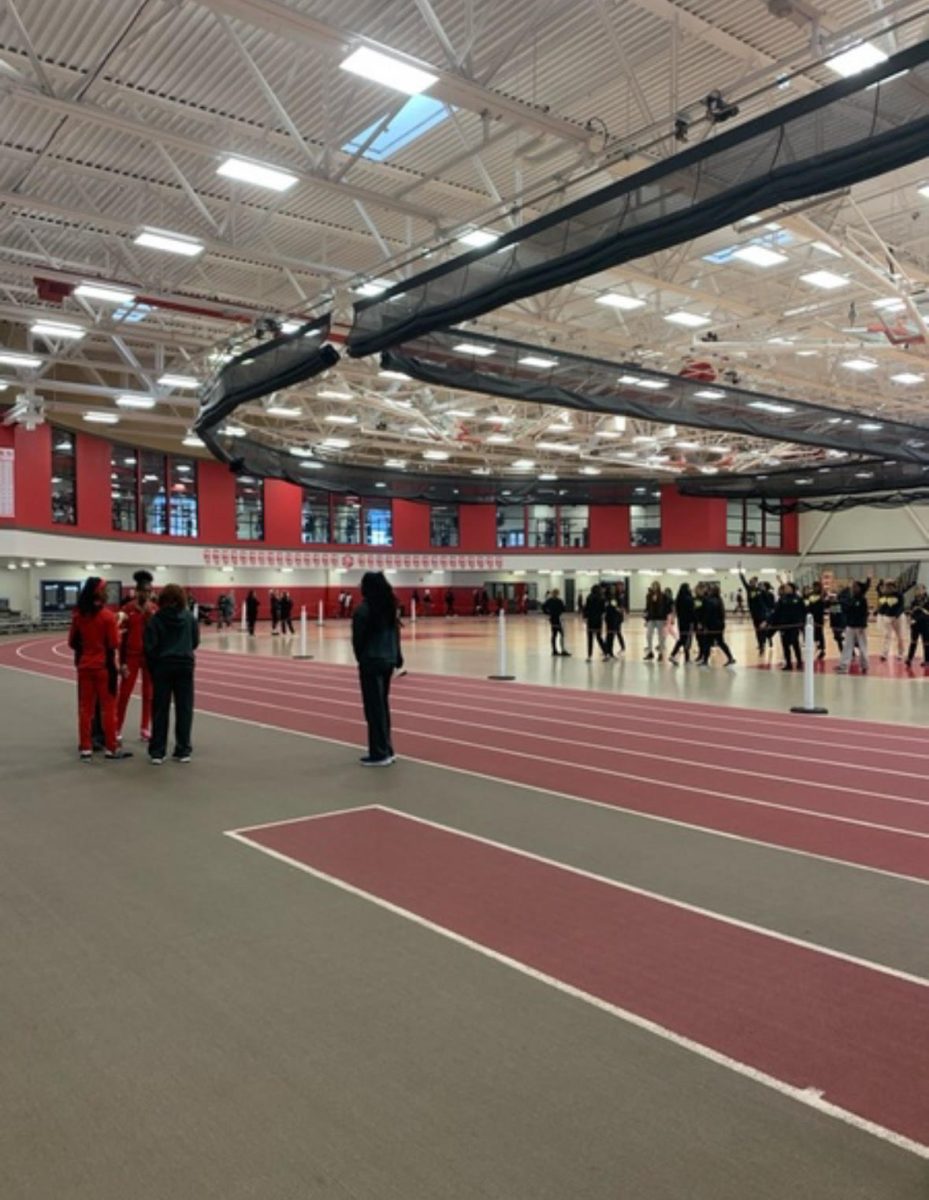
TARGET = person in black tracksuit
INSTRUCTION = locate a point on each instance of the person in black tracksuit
(275, 602)
(836, 611)
(613, 616)
(376, 644)
(684, 607)
(714, 624)
(815, 606)
(251, 611)
(919, 625)
(554, 609)
(857, 612)
(286, 612)
(788, 618)
(758, 608)
(593, 616)
(171, 636)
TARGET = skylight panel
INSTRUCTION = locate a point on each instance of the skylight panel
(419, 115)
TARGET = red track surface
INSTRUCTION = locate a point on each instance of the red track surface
(847, 790)
(801, 1016)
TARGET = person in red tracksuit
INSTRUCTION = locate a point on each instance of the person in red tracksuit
(135, 617)
(93, 637)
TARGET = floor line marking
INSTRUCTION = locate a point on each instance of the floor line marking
(803, 1095)
(706, 830)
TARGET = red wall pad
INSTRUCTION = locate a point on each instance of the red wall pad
(816, 1023)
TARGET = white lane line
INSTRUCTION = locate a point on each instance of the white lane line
(605, 749)
(806, 1096)
(548, 793)
(311, 691)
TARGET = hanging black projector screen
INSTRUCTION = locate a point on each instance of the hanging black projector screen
(840, 135)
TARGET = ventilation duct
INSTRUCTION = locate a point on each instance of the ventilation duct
(838, 136)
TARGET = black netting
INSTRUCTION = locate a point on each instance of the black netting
(831, 139)
(826, 487)
(596, 385)
(265, 368)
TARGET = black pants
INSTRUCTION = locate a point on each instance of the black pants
(172, 681)
(819, 634)
(593, 632)
(287, 624)
(790, 641)
(612, 636)
(915, 636)
(557, 636)
(839, 637)
(683, 643)
(250, 622)
(761, 635)
(375, 696)
(717, 639)
(704, 644)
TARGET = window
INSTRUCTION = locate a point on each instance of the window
(511, 525)
(124, 489)
(747, 524)
(645, 523)
(575, 526)
(64, 479)
(353, 522)
(378, 525)
(443, 525)
(543, 525)
(316, 524)
(183, 513)
(153, 493)
(152, 490)
(249, 508)
(346, 521)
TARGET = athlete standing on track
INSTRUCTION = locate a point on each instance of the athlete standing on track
(376, 644)
(593, 615)
(554, 609)
(135, 616)
(94, 637)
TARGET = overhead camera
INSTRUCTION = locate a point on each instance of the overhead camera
(28, 410)
(681, 127)
(267, 327)
(718, 109)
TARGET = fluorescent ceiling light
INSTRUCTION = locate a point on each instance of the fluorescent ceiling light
(393, 375)
(172, 243)
(397, 464)
(312, 465)
(292, 327)
(615, 300)
(281, 410)
(99, 291)
(420, 430)
(607, 433)
(335, 443)
(130, 401)
(859, 364)
(760, 256)
(561, 427)
(496, 419)
(825, 279)
(687, 445)
(233, 431)
(498, 439)
(193, 441)
(557, 447)
(690, 320)
(473, 348)
(709, 470)
(339, 419)
(300, 452)
(858, 58)
(523, 464)
(459, 412)
(479, 238)
(388, 71)
(547, 476)
(644, 438)
(710, 394)
(252, 172)
(535, 360)
(803, 481)
(870, 426)
(373, 287)
(436, 455)
(101, 418)
(807, 353)
(183, 382)
(908, 378)
(590, 470)
(770, 407)
(480, 470)
(57, 329)
(827, 249)
(327, 395)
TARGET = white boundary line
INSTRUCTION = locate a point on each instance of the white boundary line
(806, 1096)
(706, 830)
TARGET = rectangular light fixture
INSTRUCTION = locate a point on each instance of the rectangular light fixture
(235, 431)
(288, 327)
(689, 320)
(558, 447)
(760, 256)
(616, 300)
(547, 476)
(282, 410)
(436, 455)
(859, 364)
(825, 279)
(171, 243)
(393, 375)
(460, 412)
(710, 394)
(908, 378)
(396, 464)
(473, 348)
(858, 58)
(101, 418)
(870, 426)
(497, 419)
(184, 382)
(388, 71)
(261, 176)
(58, 329)
(477, 239)
(523, 464)
(300, 452)
(607, 433)
(128, 400)
(372, 287)
(590, 470)
(498, 439)
(339, 419)
(192, 441)
(325, 394)
(99, 291)
(535, 360)
(561, 427)
(770, 407)
(335, 443)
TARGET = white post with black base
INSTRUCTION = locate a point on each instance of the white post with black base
(809, 678)
(501, 650)
(320, 618)
(412, 612)
(244, 618)
(303, 653)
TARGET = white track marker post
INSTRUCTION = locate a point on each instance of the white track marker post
(501, 648)
(412, 612)
(809, 701)
(244, 619)
(303, 653)
(320, 617)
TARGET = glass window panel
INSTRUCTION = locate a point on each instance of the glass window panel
(184, 517)
(511, 525)
(249, 508)
(443, 525)
(152, 488)
(543, 525)
(645, 524)
(378, 526)
(772, 531)
(64, 479)
(316, 517)
(575, 525)
(347, 522)
(124, 484)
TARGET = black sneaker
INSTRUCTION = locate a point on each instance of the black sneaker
(181, 758)
(368, 761)
(118, 754)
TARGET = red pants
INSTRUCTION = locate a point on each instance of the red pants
(93, 685)
(135, 664)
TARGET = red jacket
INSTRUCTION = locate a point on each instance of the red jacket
(134, 622)
(93, 638)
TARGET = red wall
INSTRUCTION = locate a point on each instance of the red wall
(688, 524)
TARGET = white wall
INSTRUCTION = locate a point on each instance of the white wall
(873, 533)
